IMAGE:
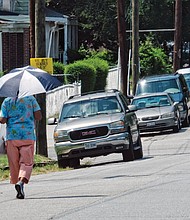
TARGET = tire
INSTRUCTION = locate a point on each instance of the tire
(177, 127)
(74, 162)
(138, 154)
(63, 163)
(128, 155)
(185, 123)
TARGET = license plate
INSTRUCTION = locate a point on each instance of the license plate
(90, 145)
(149, 124)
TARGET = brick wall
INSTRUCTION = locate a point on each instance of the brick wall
(15, 50)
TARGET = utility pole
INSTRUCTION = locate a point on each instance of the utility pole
(40, 52)
(135, 44)
(177, 35)
(32, 28)
(122, 44)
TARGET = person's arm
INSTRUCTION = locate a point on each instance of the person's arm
(3, 120)
(38, 115)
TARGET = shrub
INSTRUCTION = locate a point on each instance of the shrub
(102, 53)
(58, 69)
(1, 74)
(102, 69)
(153, 60)
(81, 71)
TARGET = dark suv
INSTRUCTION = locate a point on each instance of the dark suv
(96, 124)
(174, 84)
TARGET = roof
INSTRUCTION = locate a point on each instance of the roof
(51, 16)
(92, 95)
(183, 71)
(52, 13)
(2, 12)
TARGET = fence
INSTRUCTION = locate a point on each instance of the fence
(56, 97)
(113, 79)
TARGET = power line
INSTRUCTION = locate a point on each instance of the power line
(153, 30)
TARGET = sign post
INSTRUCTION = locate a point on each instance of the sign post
(45, 64)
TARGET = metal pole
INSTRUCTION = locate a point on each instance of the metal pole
(135, 43)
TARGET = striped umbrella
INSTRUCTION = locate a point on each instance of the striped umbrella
(27, 81)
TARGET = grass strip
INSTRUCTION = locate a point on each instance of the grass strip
(42, 165)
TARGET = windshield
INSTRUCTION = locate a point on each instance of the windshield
(151, 102)
(90, 107)
(169, 86)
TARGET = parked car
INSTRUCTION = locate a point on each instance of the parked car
(157, 112)
(174, 84)
(186, 73)
(96, 124)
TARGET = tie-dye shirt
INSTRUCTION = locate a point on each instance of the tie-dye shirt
(20, 117)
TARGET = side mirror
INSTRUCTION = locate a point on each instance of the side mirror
(185, 89)
(132, 108)
(52, 121)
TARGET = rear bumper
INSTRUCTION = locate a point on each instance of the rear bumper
(112, 144)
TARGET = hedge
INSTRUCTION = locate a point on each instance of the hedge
(81, 71)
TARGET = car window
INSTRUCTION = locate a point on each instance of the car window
(170, 86)
(125, 101)
(151, 101)
(90, 107)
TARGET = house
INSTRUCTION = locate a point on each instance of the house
(61, 34)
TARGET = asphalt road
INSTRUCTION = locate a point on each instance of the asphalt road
(155, 187)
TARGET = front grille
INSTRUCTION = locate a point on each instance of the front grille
(89, 133)
(150, 118)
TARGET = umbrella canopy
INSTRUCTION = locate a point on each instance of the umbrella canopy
(27, 81)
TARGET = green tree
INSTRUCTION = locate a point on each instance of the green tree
(98, 20)
(153, 59)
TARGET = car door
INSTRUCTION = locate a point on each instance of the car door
(130, 118)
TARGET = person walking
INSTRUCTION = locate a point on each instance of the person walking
(20, 114)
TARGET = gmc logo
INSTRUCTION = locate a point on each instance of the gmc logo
(85, 133)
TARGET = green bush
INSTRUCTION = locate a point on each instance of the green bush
(106, 55)
(74, 55)
(102, 53)
(1, 74)
(102, 69)
(81, 71)
(58, 69)
(153, 60)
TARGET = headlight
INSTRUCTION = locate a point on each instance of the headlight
(168, 115)
(180, 107)
(117, 127)
(60, 134)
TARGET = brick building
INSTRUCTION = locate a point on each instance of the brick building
(61, 34)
